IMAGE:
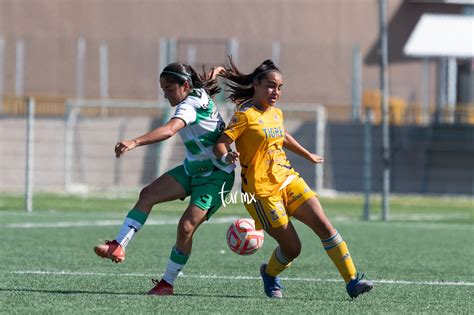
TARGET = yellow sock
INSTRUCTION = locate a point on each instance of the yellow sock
(337, 250)
(277, 263)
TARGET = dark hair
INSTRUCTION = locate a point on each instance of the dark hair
(179, 73)
(240, 85)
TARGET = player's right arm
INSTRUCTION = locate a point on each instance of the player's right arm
(156, 135)
(215, 72)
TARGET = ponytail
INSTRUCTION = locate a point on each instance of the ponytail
(240, 85)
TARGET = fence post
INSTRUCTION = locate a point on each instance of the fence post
(451, 84)
(20, 67)
(233, 49)
(356, 82)
(30, 138)
(104, 76)
(80, 66)
(191, 54)
(320, 136)
(168, 54)
(441, 87)
(367, 161)
(2, 57)
(276, 53)
(118, 162)
(71, 118)
(425, 92)
(162, 59)
(384, 85)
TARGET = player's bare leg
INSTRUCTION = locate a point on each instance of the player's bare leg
(164, 188)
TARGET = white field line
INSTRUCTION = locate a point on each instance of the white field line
(222, 220)
(339, 218)
(66, 224)
(425, 217)
(61, 213)
(99, 274)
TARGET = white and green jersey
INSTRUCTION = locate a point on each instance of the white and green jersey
(204, 125)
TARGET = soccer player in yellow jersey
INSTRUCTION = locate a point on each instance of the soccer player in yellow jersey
(280, 193)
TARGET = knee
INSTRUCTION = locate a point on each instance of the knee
(186, 228)
(324, 230)
(146, 195)
(293, 251)
(296, 251)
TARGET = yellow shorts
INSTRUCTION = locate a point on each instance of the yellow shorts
(274, 211)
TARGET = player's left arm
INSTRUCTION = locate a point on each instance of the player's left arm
(291, 144)
(223, 152)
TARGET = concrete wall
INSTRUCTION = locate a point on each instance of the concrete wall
(316, 39)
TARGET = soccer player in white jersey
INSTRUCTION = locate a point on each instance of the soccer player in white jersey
(201, 176)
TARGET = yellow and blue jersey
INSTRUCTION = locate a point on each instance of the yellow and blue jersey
(259, 137)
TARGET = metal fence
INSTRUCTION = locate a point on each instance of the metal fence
(49, 146)
(71, 149)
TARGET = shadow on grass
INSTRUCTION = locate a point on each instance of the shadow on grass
(253, 297)
(214, 295)
(68, 291)
(178, 295)
(65, 292)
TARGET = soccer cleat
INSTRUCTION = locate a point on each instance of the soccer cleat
(357, 286)
(112, 250)
(271, 285)
(161, 288)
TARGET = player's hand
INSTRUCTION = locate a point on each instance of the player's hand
(232, 157)
(315, 158)
(124, 146)
(216, 71)
(219, 70)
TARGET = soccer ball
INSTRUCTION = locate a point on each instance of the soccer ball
(242, 237)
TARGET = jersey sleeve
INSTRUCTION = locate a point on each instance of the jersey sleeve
(280, 112)
(186, 112)
(237, 125)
